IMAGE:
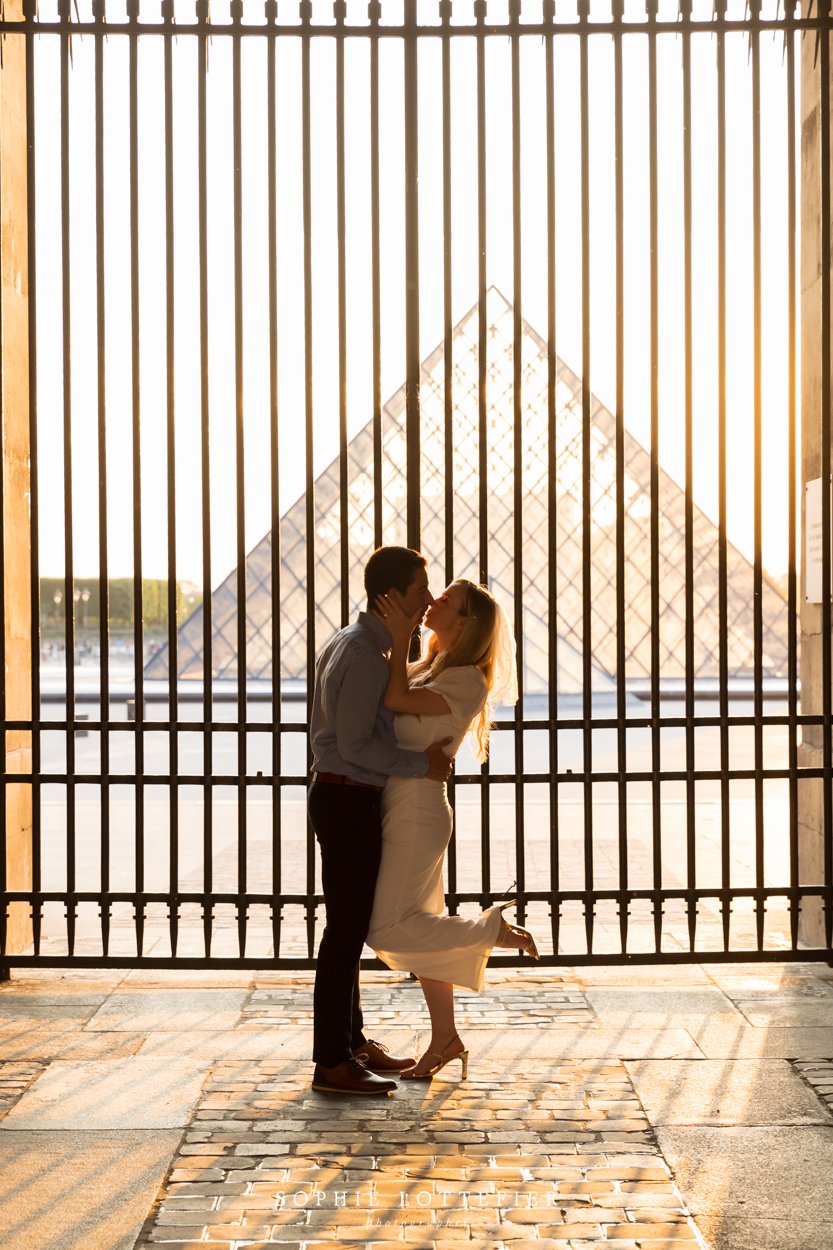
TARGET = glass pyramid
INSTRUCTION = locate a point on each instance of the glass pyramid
(500, 457)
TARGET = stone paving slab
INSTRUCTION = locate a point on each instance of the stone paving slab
(188, 978)
(779, 1012)
(718, 1040)
(51, 1041)
(65, 980)
(771, 974)
(774, 984)
(175, 1011)
(676, 976)
(667, 1006)
(725, 1092)
(773, 1232)
(66, 1190)
(133, 1093)
(25, 1011)
(50, 1002)
(753, 1173)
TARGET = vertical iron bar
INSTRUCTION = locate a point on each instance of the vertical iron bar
(69, 572)
(792, 597)
(826, 659)
(173, 658)
(651, 8)
(722, 547)
(306, 18)
(240, 491)
(205, 484)
(482, 406)
(552, 482)
(755, 43)
(340, 10)
(412, 369)
(448, 377)
(30, 13)
(517, 445)
(374, 10)
(482, 328)
(448, 331)
(99, 12)
(621, 673)
(274, 478)
(586, 553)
(691, 832)
(138, 675)
(4, 968)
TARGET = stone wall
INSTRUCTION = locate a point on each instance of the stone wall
(15, 417)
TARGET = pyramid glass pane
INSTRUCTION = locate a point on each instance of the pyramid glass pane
(501, 521)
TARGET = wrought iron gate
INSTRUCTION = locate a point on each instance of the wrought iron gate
(646, 793)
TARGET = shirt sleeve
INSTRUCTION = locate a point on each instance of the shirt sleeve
(358, 742)
(464, 690)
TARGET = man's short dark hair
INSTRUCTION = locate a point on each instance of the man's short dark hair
(391, 568)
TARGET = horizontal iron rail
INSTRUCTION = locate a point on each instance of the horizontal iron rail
(473, 779)
(565, 723)
(253, 897)
(488, 29)
(746, 695)
(264, 963)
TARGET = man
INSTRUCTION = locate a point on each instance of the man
(354, 749)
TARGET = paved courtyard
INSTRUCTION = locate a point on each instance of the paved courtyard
(630, 1108)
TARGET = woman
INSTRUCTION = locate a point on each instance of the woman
(468, 661)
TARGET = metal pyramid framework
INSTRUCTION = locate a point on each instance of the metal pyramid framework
(501, 530)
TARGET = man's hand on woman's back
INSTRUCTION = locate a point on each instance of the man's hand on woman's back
(439, 764)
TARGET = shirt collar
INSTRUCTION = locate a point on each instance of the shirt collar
(380, 632)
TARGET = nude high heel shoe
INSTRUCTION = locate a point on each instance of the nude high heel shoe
(462, 1055)
(527, 943)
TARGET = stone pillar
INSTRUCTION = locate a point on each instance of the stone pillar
(15, 416)
(811, 853)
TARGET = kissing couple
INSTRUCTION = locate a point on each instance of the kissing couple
(384, 733)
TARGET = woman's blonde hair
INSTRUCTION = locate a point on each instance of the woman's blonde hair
(477, 644)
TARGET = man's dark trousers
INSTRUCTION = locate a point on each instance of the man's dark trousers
(348, 825)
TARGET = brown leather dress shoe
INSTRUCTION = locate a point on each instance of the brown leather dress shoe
(378, 1058)
(350, 1077)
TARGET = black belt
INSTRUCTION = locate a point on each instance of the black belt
(338, 779)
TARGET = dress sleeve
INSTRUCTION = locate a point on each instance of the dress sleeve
(464, 690)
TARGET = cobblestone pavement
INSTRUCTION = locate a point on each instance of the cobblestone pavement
(559, 1154)
(15, 1079)
(534, 1000)
(818, 1073)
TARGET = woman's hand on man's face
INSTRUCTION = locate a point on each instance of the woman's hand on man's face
(393, 616)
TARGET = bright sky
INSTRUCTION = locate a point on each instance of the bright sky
(359, 318)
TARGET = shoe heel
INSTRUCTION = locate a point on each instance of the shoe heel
(464, 1063)
(530, 949)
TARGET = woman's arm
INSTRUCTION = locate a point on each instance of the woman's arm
(398, 696)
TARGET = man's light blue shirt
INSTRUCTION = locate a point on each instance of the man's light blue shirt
(351, 731)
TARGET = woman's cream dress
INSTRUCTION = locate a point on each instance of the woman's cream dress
(409, 929)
